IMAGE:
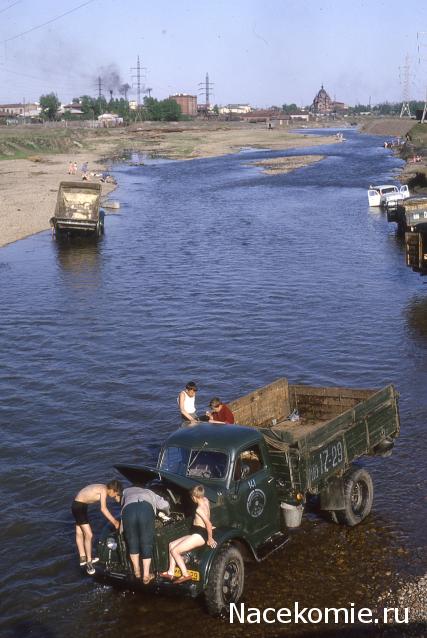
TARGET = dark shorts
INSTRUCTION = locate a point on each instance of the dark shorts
(79, 510)
(138, 526)
(201, 531)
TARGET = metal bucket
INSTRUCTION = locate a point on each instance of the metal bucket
(292, 514)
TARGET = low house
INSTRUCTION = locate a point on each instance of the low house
(73, 109)
(269, 116)
(109, 120)
(235, 109)
(300, 116)
(20, 109)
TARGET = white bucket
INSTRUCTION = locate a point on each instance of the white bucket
(292, 514)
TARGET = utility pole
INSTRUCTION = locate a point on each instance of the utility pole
(206, 88)
(405, 110)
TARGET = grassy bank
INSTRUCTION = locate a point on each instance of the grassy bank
(415, 172)
(24, 142)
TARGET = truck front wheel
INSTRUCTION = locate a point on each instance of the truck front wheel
(226, 580)
(358, 495)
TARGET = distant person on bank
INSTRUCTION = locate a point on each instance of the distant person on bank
(139, 508)
(187, 404)
(96, 493)
(220, 412)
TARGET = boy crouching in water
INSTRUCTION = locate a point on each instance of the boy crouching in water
(98, 492)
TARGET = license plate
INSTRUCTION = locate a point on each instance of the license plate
(194, 575)
(326, 460)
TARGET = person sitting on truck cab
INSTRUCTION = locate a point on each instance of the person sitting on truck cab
(221, 413)
(187, 404)
(200, 535)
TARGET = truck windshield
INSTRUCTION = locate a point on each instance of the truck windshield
(206, 464)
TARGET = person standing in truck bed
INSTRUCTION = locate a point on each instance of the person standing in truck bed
(187, 404)
(95, 493)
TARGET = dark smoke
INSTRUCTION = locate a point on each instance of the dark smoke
(110, 77)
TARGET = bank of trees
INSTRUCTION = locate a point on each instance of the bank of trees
(385, 108)
(152, 109)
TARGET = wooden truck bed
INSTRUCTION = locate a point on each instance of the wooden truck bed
(336, 426)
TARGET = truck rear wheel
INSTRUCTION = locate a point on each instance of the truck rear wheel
(226, 580)
(358, 495)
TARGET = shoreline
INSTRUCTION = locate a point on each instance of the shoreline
(28, 192)
(29, 187)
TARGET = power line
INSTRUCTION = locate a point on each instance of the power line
(10, 6)
(40, 79)
(39, 26)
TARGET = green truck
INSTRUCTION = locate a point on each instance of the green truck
(297, 443)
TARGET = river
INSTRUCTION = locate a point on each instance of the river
(213, 272)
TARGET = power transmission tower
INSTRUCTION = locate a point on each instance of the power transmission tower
(421, 43)
(138, 77)
(206, 88)
(99, 84)
(405, 79)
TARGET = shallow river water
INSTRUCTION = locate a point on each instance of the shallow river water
(214, 272)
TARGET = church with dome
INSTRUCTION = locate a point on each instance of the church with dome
(324, 105)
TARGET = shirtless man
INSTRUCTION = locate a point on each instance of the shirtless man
(98, 492)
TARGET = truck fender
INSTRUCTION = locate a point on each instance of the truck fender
(332, 496)
(223, 536)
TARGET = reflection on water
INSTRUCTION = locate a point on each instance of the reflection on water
(416, 313)
(218, 273)
(79, 259)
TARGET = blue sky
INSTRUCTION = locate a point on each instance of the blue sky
(263, 52)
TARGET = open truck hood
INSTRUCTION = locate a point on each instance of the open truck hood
(141, 474)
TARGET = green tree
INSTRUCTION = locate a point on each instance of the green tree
(290, 108)
(152, 109)
(170, 111)
(163, 110)
(49, 104)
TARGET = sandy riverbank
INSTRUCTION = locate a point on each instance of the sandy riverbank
(28, 189)
(279, 165)
(28, 192)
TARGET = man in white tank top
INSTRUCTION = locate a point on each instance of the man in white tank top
(187, 405)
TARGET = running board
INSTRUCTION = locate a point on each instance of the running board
(274, 543)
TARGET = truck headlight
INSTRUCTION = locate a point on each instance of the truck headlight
(111, 543)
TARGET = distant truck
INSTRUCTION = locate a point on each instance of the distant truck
(410, 216)
(253, 474)
(78, 209)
